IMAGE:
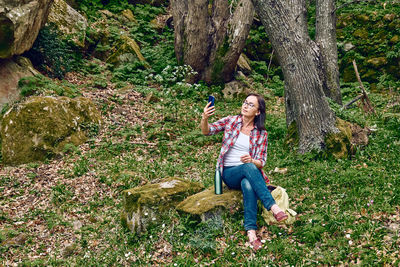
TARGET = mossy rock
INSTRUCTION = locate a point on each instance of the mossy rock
(361, 33)
(41, 126)
(207, 204)
(377, 62)
(339, 144)
(147, 204)
(68, 21)
(126, 51)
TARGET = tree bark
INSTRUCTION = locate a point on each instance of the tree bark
(300, 60)
(210, 35)
(325, 36)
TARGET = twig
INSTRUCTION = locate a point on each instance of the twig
(352, 2)
(365, 100)
(269, 64)
(352, 101)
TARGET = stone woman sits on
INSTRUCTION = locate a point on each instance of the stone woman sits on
(242, 156)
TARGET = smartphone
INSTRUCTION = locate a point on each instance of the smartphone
(212, 100)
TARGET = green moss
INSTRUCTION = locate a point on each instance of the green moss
(40, 127)
(292, 137)
(6, 37)
(207, 201)
(339, 144)
(143, 204)
(219, 63)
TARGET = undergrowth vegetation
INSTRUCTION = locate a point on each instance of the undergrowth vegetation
(348, 209)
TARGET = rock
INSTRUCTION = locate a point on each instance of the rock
(377, 61)
(41, 126)
(362, 18)
(389, 17)
(69, 250)
(77, 225)
(11, 71)
(235, 89)
(151, 98)
(395, 39)
(348, 46)
(126, 51)
(243, 64)
(361, 33)
(68, 21)
(343, 143)
(17, 241)
(127, 13)
(149, 203)
(20, 24)
(147, 2)
(207, 204)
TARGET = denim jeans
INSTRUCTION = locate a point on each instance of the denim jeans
(249, 179)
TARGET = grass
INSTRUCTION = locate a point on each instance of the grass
(348, 209)
(69, 207)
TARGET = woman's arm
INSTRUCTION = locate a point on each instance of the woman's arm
(208, 111)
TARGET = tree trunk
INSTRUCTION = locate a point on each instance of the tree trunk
(299, 58)
(325, 36)
(210, 35)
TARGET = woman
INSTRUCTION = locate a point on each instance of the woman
(242, 156)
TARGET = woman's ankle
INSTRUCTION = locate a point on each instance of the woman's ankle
(251, 234)
(275, 209)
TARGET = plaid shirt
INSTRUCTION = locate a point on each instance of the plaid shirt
(231, 126)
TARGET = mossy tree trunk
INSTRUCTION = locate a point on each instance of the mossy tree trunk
(210, 35)
(325, 36)
(300, 59)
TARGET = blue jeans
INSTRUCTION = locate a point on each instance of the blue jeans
(249, 179)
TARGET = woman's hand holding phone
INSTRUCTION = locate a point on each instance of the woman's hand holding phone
(208, 110)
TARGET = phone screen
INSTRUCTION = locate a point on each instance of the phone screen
(212, 100)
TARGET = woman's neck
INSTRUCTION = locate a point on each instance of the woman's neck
(248, 122)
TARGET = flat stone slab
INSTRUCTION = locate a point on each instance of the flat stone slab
(207, 204)
(147, 204)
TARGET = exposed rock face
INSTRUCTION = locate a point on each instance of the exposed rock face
(126, 51)
(147, 204)
(42, 126)
(68, 21)
(20, 22)
(207, 204)
(11, 71)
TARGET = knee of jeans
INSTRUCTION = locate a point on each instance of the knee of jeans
(246, 185)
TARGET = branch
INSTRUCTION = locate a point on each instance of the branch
(365, 100)
(352, 101)
(352, 2)
(269, 65)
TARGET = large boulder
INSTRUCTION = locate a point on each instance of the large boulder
(20, 22)
(147, 204)
(207, 204)
(126, 51)
(68, 21)
(42, 126)
(11, 71)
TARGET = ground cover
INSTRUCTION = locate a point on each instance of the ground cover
(66, 211)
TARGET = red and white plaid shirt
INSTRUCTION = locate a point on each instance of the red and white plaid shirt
(231, 126)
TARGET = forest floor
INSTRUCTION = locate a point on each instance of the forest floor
(66, 211)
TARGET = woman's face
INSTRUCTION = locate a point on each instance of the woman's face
(250, 107)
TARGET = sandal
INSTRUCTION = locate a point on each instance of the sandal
(280, 216)
(256, 244)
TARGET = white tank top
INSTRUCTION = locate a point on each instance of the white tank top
(240, 148)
